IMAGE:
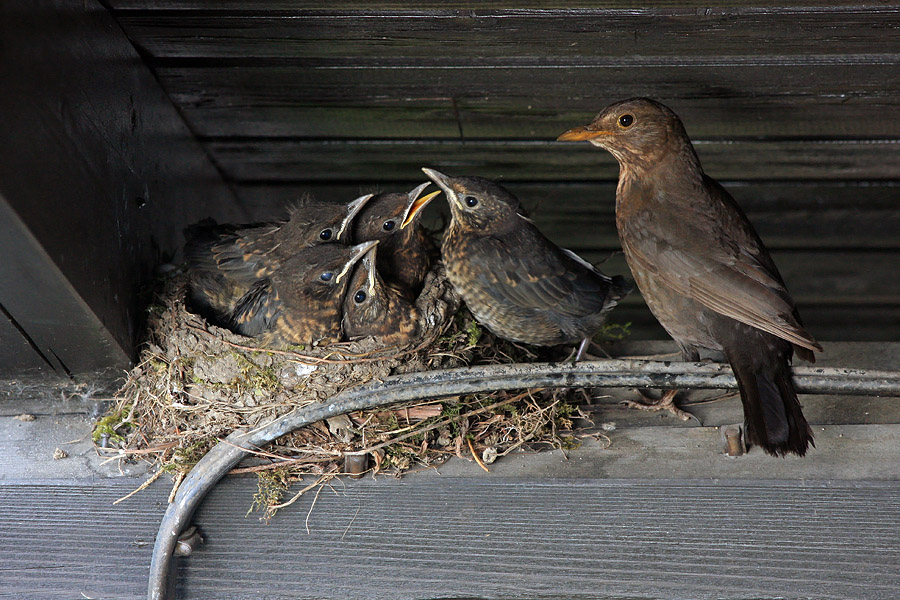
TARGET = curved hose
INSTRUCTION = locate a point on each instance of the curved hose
(451, 382)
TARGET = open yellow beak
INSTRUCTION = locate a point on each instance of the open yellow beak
(417, 206)
(580, 134)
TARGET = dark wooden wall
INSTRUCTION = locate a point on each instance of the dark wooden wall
(795, 106)
(98, 175)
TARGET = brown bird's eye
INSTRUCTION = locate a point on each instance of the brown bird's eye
(626, 120)
(326, 276)
(359, 297)
(325, 235)
(471, 201)
(388, 225)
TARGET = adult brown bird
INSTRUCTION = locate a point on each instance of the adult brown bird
(516, 282)
(702, 268)
(300, 302)
(374, 308)
(225, 261)
(404, 253)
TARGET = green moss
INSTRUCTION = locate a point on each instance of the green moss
(254, 377)
(473, 331)
(113, 425)
(613, 332)
(184, 459)
(271, 487)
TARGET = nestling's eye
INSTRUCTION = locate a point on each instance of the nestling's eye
(625, 121)
(326, 276)
(359, 297)
(471, 201)
(388, 225)
(325, 235)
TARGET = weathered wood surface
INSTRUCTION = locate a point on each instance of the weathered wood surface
(465, 537)
(533, 98)
(367, 161)
(486, 33)
(697, 6)
(103, 174)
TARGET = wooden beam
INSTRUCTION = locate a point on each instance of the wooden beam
(534, 98)
(367, 161)
(98, 175)
(486, 33)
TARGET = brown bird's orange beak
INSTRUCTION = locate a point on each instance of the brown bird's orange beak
(580, 134)
(417, 205)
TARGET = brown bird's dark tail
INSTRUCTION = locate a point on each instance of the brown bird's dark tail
(773, 418)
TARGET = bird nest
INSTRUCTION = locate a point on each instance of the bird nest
(196, 383)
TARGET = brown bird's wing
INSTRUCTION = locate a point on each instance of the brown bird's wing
(731, 273)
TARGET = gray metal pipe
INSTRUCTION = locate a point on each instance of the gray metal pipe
(468, 380)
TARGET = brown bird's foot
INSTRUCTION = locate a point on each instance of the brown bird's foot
(665, 402)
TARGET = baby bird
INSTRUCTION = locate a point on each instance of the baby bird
(516, 282)
(225, 261)
(301, 302)
(404, 249)
(372, 307)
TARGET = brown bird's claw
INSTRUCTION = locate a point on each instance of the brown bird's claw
(665, 402)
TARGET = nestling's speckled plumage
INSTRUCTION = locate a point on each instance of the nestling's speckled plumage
(374, 308)
(301, 302)
(226, 262)
(404, 253)
(514, 280)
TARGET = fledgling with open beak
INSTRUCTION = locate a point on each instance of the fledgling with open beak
(516, 282)
(225, 261)
(404, 251)
(375, 308)
(300, 303)
(702, 268)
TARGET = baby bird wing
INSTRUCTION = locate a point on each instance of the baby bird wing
(528, 271)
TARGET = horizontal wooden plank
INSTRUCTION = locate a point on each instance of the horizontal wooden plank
(368, 6)
(535, 99)
(788, 215)
(471, 536)
(482, 34)
(377, 160)
(474, 538)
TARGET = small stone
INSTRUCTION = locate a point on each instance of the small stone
(25, 417)
(59, 454)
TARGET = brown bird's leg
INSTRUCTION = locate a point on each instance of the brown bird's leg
(665, 402)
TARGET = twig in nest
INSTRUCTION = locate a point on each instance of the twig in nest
(475, 456)
(439, 424)
(179, 477)
(323, 479)
(278, 465)
(141, 487)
